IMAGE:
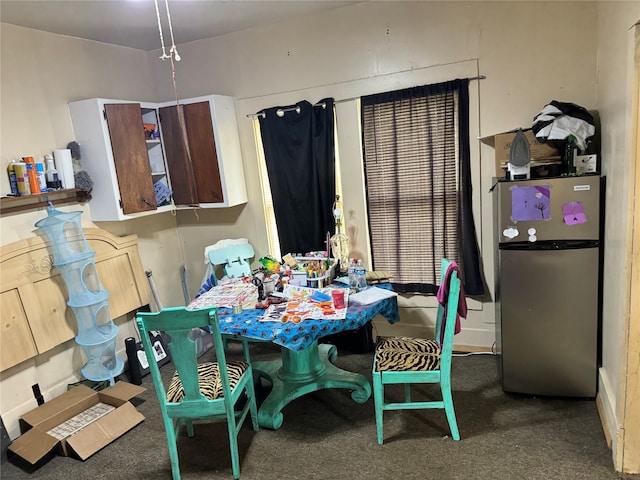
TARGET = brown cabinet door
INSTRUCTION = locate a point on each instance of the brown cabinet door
(178, 163)
(130, 157)
(193, 163)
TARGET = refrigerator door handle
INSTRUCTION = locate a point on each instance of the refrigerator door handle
(550, 245)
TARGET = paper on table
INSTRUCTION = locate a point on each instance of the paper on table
(371, 295)
(301, 305)
(228, 294)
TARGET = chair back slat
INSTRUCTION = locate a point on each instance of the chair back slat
(178, 323)
(444, 265)
(447, 314)
(450, 321)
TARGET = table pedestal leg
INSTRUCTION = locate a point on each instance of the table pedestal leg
(303, 372)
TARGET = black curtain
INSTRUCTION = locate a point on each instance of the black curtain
(472, 275)
(298, 142)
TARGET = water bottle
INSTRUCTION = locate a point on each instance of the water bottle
(569, 155)
(353, 279)
(361, 275)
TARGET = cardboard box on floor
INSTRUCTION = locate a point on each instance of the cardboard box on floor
(36, 443)
(502, 144)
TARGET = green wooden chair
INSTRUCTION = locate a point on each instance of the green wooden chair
(204, 391)
(406, 361)
(234, 260)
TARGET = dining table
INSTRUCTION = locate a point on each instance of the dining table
(305, 365)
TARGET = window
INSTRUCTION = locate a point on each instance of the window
(416, 157)
(267, 200)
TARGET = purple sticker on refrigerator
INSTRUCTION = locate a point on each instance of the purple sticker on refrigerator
(573, 213)
(531, 203)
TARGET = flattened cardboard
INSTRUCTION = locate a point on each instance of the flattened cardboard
(501, 142)
(36, 443)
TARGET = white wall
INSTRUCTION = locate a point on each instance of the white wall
(40, 74)
(529, 51)
(615, 69)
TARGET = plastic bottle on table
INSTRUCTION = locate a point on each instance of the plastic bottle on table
(353, 279)
(361, 274)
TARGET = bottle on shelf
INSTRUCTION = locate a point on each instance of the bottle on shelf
(53, 181)
(22, 178)
(42, 179)
(569, 155)
(34, 184)
(11, 170)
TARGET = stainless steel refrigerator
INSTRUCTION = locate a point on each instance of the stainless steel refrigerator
(548, 292)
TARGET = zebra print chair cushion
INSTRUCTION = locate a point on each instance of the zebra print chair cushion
(406, 354)
(209, 380)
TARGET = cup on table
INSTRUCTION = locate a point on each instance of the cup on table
(269, 286)
(337, 294)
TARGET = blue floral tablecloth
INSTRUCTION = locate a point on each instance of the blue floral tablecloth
(299, 336)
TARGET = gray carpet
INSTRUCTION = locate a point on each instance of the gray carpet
(327, 435)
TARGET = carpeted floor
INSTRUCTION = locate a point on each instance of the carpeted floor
(327, 435)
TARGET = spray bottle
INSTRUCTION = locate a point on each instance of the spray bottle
(52, 174)
(11, 169)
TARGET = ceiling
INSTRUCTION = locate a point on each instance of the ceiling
(134, 23)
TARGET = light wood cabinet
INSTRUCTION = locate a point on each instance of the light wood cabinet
(196, 156)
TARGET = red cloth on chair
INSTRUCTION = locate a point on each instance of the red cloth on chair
(443, 293)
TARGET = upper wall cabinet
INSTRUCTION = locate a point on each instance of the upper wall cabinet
(193, 159)
(124, 163)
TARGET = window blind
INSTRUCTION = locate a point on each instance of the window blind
(411, 174)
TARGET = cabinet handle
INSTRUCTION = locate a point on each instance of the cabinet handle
(148, 202)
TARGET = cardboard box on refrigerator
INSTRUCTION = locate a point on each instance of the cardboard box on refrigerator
(501, 142)
(586, 163)
(90, 420)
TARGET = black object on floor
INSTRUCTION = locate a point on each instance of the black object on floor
(354, 341)
(4, 442)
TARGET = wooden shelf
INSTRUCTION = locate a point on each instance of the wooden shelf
(31, 202)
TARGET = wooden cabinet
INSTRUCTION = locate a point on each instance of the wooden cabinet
(116, 155)
(191, 153)
(203, 155)
(130, 157)
(195, 161)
